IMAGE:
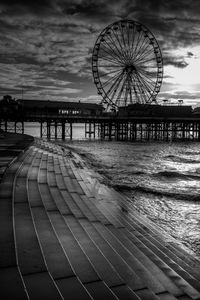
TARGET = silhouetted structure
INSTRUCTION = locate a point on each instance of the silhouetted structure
(134, 122)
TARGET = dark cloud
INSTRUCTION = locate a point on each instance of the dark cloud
(178, 63)
(43, 38)
(190, 54)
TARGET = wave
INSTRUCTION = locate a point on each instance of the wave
(147, 190)
(191, 153)
(176, 175)
(182, 159)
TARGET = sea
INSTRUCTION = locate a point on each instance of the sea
(162, 179)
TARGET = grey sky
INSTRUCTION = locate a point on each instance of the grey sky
(46, 46)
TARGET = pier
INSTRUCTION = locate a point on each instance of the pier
(133, 123)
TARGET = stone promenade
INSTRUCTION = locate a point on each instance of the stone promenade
(64, 235)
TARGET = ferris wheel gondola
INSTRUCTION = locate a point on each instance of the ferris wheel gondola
(127, 64)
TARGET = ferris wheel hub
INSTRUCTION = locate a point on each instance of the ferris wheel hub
(129, 69)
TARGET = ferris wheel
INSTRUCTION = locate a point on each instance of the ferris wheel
(127, 64)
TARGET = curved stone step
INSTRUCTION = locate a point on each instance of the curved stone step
(131, 260)
(105, 270)
(133, 227)
(145, 257)
(128, 275)
(12, 286)
(171, 248)
(78, 260)
(29, 255)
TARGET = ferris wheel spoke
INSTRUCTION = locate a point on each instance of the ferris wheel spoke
(148, 88)
(114, 44)
(135, 90)
(120, 91)
(146, 53)
(145, 74)
(141, 91)
(146, 83)
(125, 44)
(109, 81)
(151, 74)
(103, 65)
(142, 49)
(130, 93)
(113, 89)
(146, 57)
(127, 41)
(108, 73)
(120, 45)
(122, 35)
(126, 92)
(143, 43)
(110, 54)
(108, 59)
(113, 83)
(127, 32)
(114, 52)
(137, 42)
(133, 41)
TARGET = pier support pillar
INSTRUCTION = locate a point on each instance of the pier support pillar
(63, 130)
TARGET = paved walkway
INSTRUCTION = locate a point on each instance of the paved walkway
(11, 145)
(63, 235)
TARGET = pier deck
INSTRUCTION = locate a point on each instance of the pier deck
(64, 235)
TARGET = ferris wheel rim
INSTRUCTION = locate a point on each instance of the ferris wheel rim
(121, 63)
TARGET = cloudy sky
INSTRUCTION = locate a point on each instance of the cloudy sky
(46, 45)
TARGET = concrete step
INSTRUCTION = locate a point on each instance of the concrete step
(90, 202)
(12, 286)
(147, 239)
(55, 258)
(75, 210)
(73, 288)
(99, 290)
(105, 270)
(131, 260)
(169, 247)
(86, 211)
(162, 259)
(60, 203)
(7, 249)
(41, 286)
(29, 254)
(127, 274)
(46, 196)
(190, 285)
(79, 262)
(144, 258)
(177, 256)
